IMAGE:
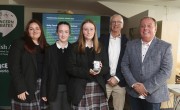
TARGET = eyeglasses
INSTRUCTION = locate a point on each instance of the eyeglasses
(116, 22)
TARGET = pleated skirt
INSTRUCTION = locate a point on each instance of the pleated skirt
(93, 99)
(36, 104)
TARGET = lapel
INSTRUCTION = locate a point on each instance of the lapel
(34, 60)
(83, 59)
(150, 49)
(122, 45)
(54, 54)
(107, 43)
(138, 50)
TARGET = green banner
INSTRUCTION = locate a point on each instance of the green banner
(11, 27)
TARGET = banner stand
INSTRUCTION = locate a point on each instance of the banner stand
(11, 27)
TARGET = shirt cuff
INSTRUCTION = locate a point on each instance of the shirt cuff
(132, 86)
(117, 78)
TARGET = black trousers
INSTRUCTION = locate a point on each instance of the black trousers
(142, 104)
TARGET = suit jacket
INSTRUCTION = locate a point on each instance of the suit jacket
(23, 70)
(51, 71)
(105, 41)
(153, 72)
(78, 70)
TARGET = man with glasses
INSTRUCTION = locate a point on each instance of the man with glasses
(115, 44)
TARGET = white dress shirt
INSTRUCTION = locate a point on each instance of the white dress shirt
(145, 47)
(114, 51)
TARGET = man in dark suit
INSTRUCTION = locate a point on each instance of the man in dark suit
(115, 44)
(146, 66)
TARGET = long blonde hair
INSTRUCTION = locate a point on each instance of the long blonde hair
(81, 39)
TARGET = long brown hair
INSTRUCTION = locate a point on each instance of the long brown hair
(29, 44)
(81, 39)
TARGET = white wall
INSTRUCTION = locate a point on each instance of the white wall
(4, 2)
(125, 9)
(158, 12)
(166, 13)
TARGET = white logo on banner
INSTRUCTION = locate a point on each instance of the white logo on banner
(8, 22)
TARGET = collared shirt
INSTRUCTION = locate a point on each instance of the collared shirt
(59, 46)
(145, 47)
(114, 51)
(89, 47)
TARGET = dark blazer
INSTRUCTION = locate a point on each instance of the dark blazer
(51, 71)
(23, 70)
(105, 41)
(78, 71)
(153, 72)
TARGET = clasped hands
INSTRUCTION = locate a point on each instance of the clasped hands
(112, 81)
(140, 89)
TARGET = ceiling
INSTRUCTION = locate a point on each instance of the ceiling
(92, 5)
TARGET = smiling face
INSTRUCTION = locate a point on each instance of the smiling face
(88, 31)
(63, 32)
(34, 31)
(116, 23)
(148, 29)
